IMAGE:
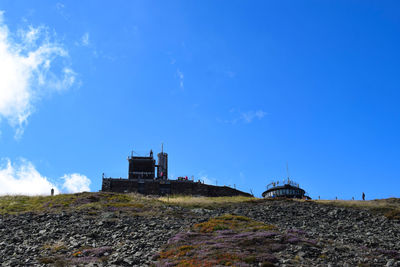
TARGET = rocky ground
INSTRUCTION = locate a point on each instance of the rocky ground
(119, 237)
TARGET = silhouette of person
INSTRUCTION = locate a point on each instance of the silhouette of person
(363, 196)
(52, 191)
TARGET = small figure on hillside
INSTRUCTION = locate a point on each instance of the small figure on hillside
(363, 196)
(52, 192)
(352, 198)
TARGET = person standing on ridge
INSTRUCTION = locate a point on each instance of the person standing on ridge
(363, 196)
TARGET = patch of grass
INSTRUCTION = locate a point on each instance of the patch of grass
(47, 260)
(87, 201)
(231, 222)
(204, 202)
(389, 207)
(393, 214)
(267, 264)
(97, 201)
(55, 247)
(250, 259)
(227, 240)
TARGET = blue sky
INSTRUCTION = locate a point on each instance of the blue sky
(234, 90)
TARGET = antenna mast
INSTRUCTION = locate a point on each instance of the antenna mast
(287, 170)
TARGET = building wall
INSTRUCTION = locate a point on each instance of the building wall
(141, 167)
(155, 187)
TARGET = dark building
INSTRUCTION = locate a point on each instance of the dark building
(142, 179)
(288, 189)
(141, 167)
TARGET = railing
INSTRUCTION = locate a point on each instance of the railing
(282, 183)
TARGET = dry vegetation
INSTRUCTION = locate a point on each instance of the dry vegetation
(96, 201)
(389, 207)
(79, 202)
(229, 240)
(204, 202)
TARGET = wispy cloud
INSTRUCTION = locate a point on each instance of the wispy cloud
(22, 178)
(230, 73)
(204, 177)
(181, 77)
(60, 6)
(30, 68)
(61, 10)
(244, 117)
(85, 39)
(249, 116)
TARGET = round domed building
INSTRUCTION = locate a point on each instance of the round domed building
(287, 189)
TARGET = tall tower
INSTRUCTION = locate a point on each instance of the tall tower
(162, 170)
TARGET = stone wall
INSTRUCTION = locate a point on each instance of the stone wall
(154, 187)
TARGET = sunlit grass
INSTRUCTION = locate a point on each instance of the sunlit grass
(389, 207)
(97, 201)
(204, 202)
(81, 201)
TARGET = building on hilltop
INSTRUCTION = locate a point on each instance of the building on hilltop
(143, 168)
(142, 178)
(287, 189)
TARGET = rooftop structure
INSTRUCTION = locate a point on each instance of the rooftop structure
(286, 188)
(141, 167)
(143, 178)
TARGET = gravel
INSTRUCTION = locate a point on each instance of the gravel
(343, 236)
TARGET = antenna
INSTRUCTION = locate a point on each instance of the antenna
(287, 170)
(162, 147)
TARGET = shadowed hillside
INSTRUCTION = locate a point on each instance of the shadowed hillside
(102, 229)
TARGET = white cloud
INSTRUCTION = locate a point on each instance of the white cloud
(180, 76)
(31, 67)
(204, 178)
(23, 179)
(76, 182)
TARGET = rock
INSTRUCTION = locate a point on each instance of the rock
(339, 236)
(390, 263)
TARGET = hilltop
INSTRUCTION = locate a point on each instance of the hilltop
(106, 229)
